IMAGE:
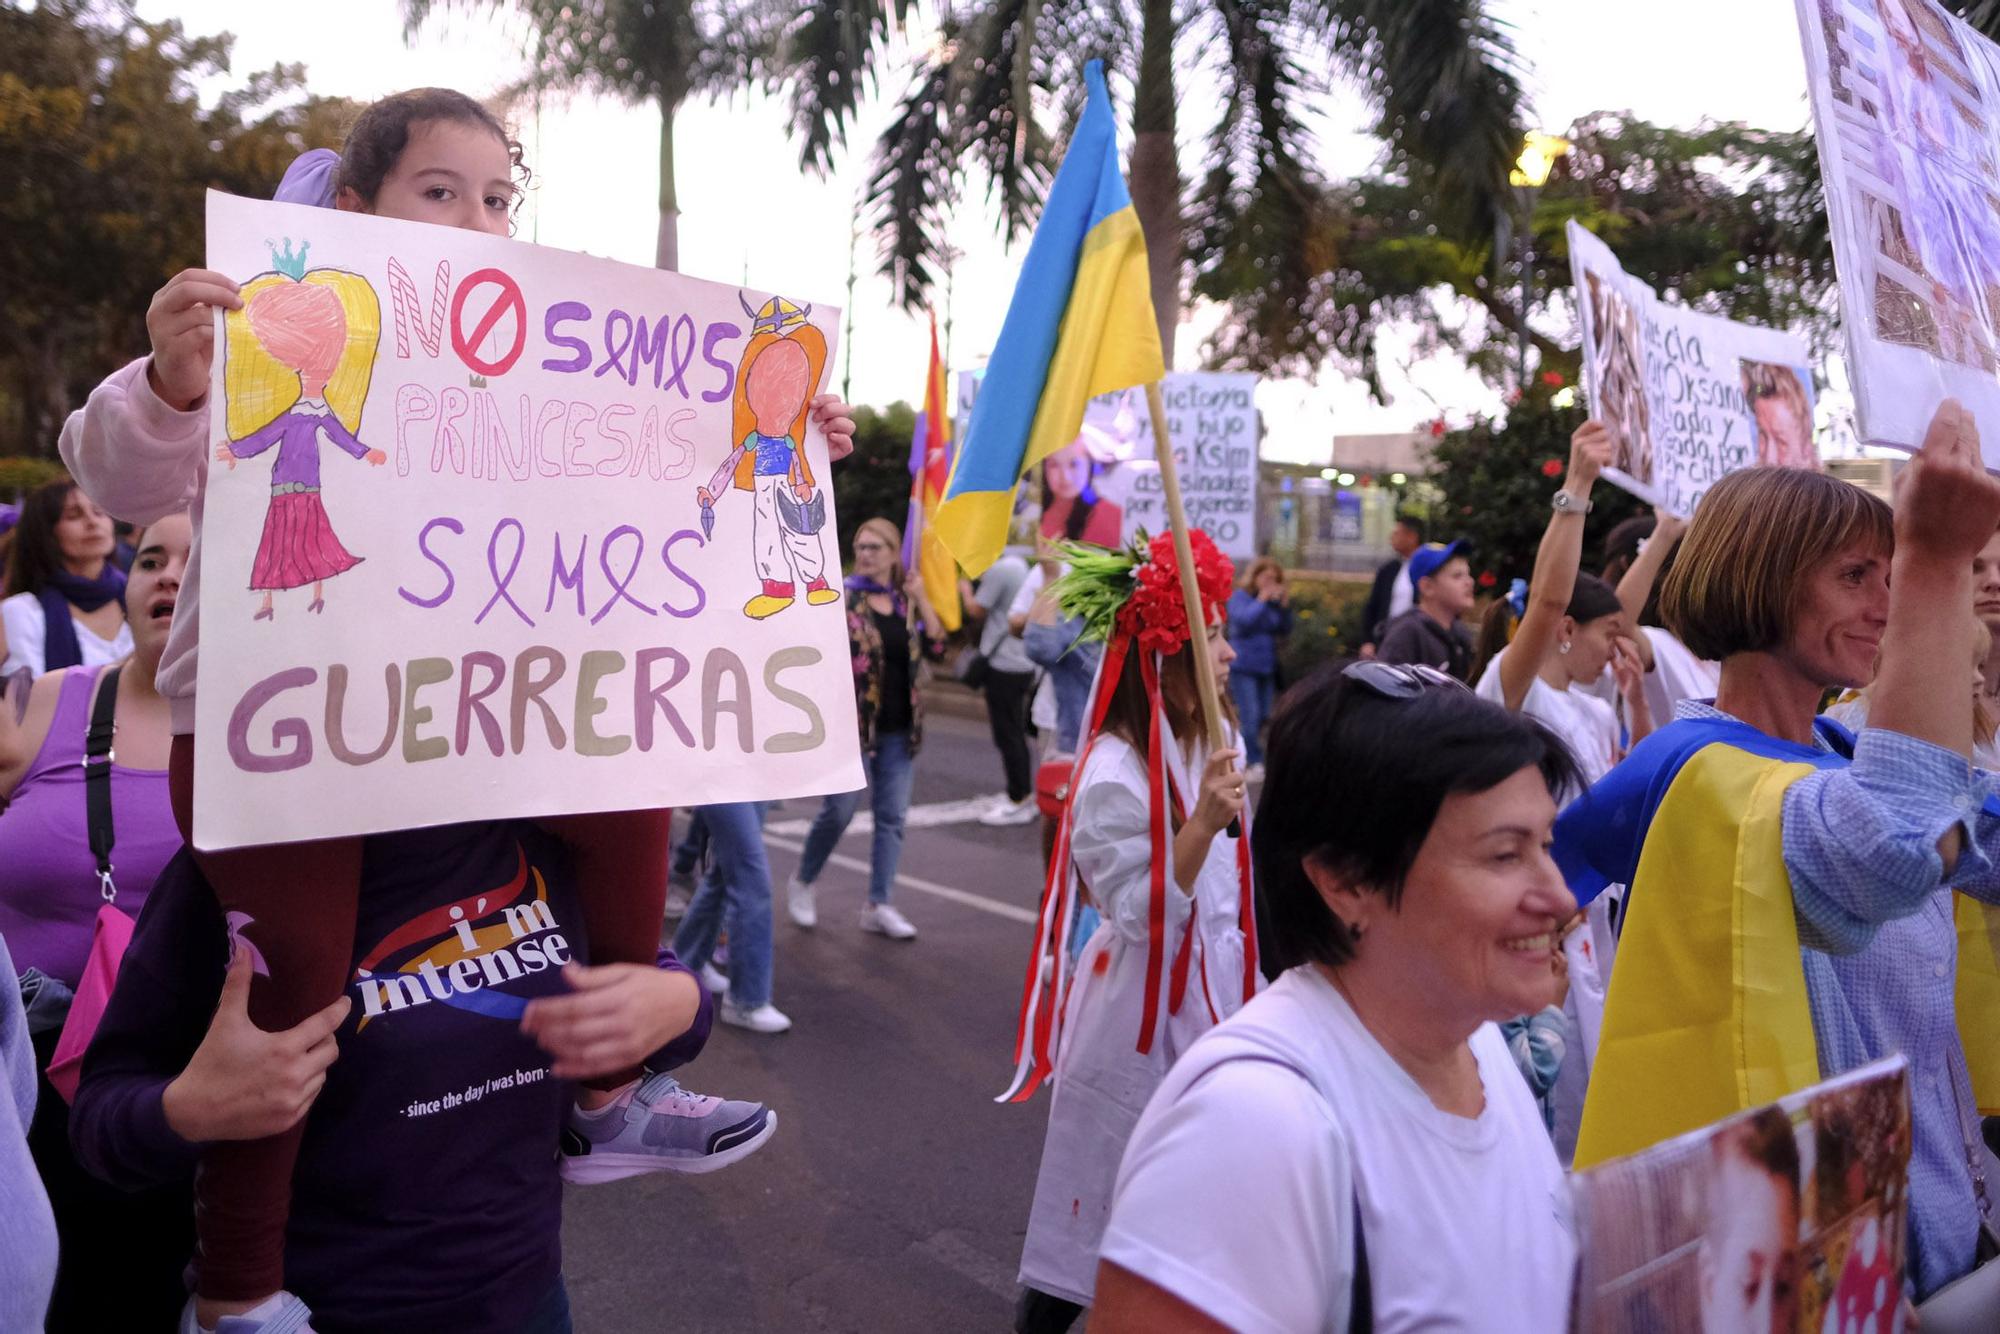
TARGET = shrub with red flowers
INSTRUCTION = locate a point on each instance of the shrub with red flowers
(1553, 467)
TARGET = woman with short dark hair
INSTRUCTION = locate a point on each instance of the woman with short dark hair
(1357, 1138)
(1789, 911)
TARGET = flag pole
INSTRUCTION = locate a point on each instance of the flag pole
(1170, 483)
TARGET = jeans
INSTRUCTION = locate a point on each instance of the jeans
(1071, 664)
(1007, 696)
(1253, 695)
(692, 847)
(889, 771)
(738, 887)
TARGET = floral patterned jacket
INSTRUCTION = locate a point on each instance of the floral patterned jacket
(864, 642)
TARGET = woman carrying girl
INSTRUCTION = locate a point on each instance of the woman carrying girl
(139, 446)
(1148, 832)
(61, 604)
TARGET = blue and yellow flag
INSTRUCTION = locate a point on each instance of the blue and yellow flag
(1081, 324)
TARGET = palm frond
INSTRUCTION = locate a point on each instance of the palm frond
(913, 184)
(1446, 78)
(827, 52)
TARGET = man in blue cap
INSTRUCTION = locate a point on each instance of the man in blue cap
(1433, 632)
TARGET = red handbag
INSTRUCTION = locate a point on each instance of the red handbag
(1052, 781)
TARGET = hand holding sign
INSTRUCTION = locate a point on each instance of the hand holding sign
(1949, 505)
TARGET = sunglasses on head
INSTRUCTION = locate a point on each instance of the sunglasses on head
(1395, 680)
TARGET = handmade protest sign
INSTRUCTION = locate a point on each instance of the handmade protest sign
(1106, 486)
(1688, 397)
(495, 530)
(1904, 99)
(1791, 1216)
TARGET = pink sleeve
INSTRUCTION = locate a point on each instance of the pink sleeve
(131, 453)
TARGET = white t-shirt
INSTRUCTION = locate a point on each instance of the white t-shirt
(1402, 594)
(1238, 1191)
(27, 627)
(1587, 725)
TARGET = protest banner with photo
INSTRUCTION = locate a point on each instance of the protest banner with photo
(496, 530)
(1688, 397)
(1904, 100)
(1791, 1217)
(1106, 488)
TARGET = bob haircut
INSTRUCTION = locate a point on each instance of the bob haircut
(1355, 780)
(1741, 570)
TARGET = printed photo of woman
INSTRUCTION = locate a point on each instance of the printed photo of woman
(1781, 411)
(1071, 506)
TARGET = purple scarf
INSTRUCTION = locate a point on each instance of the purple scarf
(60, 647)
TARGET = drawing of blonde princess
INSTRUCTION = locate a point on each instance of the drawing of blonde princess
(297, 367)
(780, 367)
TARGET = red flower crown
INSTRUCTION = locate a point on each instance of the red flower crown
(1156, 614)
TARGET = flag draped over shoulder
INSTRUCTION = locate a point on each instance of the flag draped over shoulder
(1080, 324)
(930, 469)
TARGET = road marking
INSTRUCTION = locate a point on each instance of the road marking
(968, 1261)
(926, 816)
(1013, 912)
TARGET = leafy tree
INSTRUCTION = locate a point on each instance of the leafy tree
(874, 481)
(1441, 74)
(108, 150)
(1494, 482)
(1723, 217)
(660, 52)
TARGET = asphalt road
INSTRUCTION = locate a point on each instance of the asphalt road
(894, 1194)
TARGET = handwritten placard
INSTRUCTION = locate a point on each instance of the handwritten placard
(494, 530)
(1689, 398)
(1106, 487)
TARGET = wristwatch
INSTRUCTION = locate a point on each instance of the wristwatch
(1562, 502)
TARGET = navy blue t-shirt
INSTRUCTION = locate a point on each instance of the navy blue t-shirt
(426, 1196)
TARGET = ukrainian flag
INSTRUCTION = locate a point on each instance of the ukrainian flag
(1081, 324)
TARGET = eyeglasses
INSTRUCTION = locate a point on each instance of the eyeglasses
(860, 547)
(1395, 680)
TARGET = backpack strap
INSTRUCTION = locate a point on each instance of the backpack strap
(97, 759)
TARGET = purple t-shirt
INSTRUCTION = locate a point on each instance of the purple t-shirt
(426, 1196)
(49, 892)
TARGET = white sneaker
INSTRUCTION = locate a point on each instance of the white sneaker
(1007, 812)
(712, 978)
(801, 903)
(766, 1018)
(884, 920)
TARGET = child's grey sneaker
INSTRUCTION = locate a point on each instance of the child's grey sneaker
(658, 1126)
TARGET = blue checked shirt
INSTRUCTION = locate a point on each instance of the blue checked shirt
(1881, 952)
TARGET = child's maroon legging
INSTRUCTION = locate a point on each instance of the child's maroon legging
(301, 900)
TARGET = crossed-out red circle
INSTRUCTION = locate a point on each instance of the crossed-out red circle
(510, 299)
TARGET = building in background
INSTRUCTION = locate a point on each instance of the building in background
(1337, 517)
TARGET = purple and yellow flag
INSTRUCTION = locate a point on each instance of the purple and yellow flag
(930, 469)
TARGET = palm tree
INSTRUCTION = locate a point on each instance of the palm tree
(657, 51)
(1442, 76)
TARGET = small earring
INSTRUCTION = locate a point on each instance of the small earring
(1563, 647)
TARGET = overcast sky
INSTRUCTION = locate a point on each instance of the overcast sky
(748, 215)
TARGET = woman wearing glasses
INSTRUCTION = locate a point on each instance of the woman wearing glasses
(1790, 912)
(888, 614)
(1342, 1154)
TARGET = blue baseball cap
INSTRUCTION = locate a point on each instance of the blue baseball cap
(1426, 560)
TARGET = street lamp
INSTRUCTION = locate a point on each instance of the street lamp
(1539, 155)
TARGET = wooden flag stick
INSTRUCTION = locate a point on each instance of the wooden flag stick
(1170, 482)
